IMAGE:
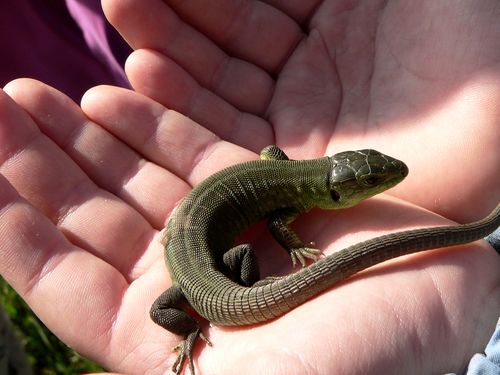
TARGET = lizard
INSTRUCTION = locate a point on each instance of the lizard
(220, 281)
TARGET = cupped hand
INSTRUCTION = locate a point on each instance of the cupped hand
(416, 80)
(84, 194)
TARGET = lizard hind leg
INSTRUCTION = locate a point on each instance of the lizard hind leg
(241, 264)
(168, 312)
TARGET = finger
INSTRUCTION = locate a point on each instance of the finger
(109, 162)
(165, 83)
(152, 24)
(164, 136)
(50, 180)
(32, 163)
(251, 30)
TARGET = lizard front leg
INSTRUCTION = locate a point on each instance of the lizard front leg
(288, 239)
(168, 312)
(279, 220)
(273, 152)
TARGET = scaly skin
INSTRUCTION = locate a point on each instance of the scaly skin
(222, 283)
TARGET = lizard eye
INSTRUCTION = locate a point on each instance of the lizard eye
(370, 181)
(335, 195)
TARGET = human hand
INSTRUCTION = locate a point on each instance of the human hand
(417, 80)
(85, 193)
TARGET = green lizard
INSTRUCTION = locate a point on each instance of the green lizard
(222, 283)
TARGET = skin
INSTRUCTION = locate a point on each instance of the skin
(120, 163)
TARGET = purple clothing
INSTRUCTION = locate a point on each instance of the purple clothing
(66, 44)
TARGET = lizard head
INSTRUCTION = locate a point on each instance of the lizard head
(357, 175)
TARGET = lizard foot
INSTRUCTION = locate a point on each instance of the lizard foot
(185, 349)
(300, 254)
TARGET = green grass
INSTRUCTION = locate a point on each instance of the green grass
(46, 354)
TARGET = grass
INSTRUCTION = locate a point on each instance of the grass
(46, 354)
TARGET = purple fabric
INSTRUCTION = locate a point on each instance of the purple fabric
(66, 44)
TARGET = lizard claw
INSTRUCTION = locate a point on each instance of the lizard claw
(204, 338)
(300, 254)
(185, 349)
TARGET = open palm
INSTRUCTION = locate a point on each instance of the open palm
(97, 185)
(417, 80)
